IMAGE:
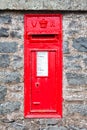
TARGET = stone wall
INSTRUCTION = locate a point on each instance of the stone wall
(74, 74)
(69, 5)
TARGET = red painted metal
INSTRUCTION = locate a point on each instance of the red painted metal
(42, 91)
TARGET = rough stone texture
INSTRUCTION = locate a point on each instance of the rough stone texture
(56, 128)
(49, 121)
(75, 79)
(5, 19)
(17, 62)
(4, 32)
(77, 108)
(74, 69)
(15, 34)
(73, 58)
(85, 61)
(65, 47)
(3, 92)
(18, 126)
(75, 128)
(44, 4)
(4, 61)
(9, 107)
(9, 77)
(72, 66)
(80, 44)
(8, 47)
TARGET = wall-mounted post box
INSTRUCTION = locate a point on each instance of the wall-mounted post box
(43, 65)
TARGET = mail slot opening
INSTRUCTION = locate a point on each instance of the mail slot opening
(43, 37)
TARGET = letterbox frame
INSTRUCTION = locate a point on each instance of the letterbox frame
(27, 78)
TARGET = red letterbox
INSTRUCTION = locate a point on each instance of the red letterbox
(43, 65)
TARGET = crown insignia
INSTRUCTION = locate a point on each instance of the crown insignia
(43, 23)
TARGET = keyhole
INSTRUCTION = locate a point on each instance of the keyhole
(37, 84)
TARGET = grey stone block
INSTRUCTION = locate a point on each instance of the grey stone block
(62, 128)
(15, 34)
(74, 57)
(8, 47)
(17, 62)
(83, 129)
(56, 128)
(73, 32)
(4, 32)
(74, 127)
(9, 107)
(85, 61)
(72, 66)
(18, 126)
(42, 121)
(80, 44)
(3, 92)
(65, 47)
(6, 19)
(4, 61)
(9, 77)
(76, 79)
(44, 4)
(51, 121)
(73, 24)
(77, 108)
(48, 121)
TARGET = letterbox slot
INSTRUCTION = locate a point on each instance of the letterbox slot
(43, 37)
